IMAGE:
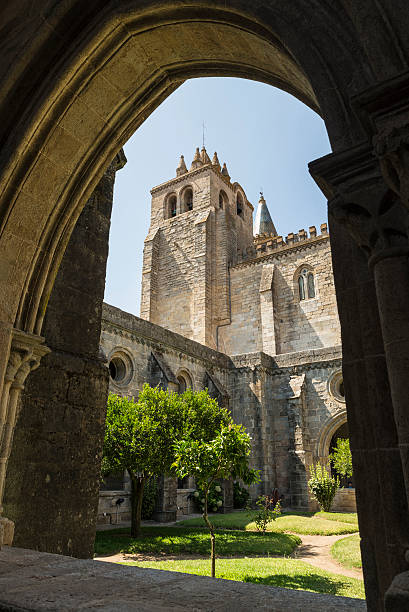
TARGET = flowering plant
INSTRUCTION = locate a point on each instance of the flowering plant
(214, 499)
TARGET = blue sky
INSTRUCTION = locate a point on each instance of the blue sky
(265, 136)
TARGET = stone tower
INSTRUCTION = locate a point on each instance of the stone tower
(200, 220)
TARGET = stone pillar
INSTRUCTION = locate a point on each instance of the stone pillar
(25, 354)
(361, 207)
(59, 435)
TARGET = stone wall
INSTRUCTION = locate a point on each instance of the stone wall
(285, 402)
(266, 312)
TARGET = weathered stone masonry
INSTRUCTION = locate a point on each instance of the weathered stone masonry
(208, 283)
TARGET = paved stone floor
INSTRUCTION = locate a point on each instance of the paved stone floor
(30, 580)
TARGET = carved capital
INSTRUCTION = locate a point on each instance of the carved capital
(384, 112)
(392, 149)
(26, 352)
(360, 200)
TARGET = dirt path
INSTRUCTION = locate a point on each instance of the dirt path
(315, 549)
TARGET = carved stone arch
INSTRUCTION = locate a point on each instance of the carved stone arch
(326, 433)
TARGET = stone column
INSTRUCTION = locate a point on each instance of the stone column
(25, 354)
(53, 475)
(363, 208)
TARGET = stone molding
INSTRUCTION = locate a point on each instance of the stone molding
(26, 352)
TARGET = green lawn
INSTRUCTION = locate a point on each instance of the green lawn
(301, 523)
(288, 573)
(343, 517)
(177, 540)
(347, 551)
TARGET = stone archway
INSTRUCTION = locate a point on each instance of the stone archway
(84, 79)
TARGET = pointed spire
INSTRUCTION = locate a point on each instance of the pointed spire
(204, 156)
(215, 161)
(181, 169)
(225, 172)
(197, 162)
(263, 223)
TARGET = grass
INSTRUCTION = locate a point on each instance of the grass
(343, 517)
(322, 523)
(347, 551)
(177, 540)
(287, 573)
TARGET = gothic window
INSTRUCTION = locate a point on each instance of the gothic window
(188, 200)
(184, 380)
(239, 204)
(306, 285)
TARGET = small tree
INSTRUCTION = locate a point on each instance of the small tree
(225, 456)
(323, 486)
(139, 437)
(341, 457)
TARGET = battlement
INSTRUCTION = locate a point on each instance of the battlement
(265, 244)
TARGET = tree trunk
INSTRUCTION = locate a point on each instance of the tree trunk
(212, 537)
(137, 486)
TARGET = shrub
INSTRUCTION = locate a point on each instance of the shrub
(150, 493)
(323, 486)
(341, 457)
(240, 495)
(214, 498)
(269, 510)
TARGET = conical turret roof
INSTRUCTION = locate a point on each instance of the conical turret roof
(215, 161)
(263, 223)
(181, 169)
(225, 172)
(197, 162)
(204, 156)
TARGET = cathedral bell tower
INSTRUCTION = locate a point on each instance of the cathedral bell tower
(199, 221)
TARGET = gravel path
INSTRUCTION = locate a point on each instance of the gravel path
(315, 549)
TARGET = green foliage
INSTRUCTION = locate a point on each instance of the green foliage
(150, 493)
(267, 512)
(323, 486)
(287, 573)
(178, 540)
(140, 436)
(214, 498)
(341, 457)
(240, 495)
(226, 455)
(348, 551)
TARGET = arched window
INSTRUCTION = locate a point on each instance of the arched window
(223, 199)
(187, 200)
(306, 285)
(184, 380)
(239, 204)
(170, 207)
